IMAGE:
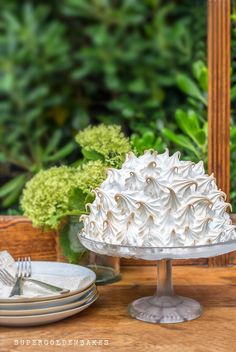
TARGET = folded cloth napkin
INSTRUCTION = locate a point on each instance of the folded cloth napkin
(30, 289)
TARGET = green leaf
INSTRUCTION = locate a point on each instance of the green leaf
(137, 86)
(69, 241)
(13, 184)
(180, 140)
(201, 137)
(89, 198)
(189, 87)
(90, 154)
(55, 220)
(193, 120)
(33, 114)
(181, 117)
(189, 124)
(54, 141)
(62, 153)
(186, 121)
(204, 79)
(148, 138)
(233, 92)
(201, 73)
(13, 196)
(37, 93)
(198, 66)
(233, 132)
(77, 200)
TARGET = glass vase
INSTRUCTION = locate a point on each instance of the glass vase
(106, 268)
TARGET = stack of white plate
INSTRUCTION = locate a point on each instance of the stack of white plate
(47, 307)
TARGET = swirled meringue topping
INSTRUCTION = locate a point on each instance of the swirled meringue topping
(159, 200)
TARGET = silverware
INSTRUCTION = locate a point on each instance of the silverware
(17, 289)
(28, 272)
(23, 273)
(6, 278)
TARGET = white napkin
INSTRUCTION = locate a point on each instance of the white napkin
(31, 289)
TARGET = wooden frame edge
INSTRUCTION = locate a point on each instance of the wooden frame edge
(219, 99)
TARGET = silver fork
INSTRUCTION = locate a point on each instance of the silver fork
(6, 278)
(23, 273)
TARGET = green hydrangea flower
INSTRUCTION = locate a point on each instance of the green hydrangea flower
(107, 143)
(47, 194)
(91, 175)
(52, 194)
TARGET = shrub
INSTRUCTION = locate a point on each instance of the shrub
(68, 64)
(34, 61)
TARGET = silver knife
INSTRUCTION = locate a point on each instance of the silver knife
(17, 289)
(47, 286)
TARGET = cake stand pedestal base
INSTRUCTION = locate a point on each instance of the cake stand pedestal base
(165, 309)
(165, 306)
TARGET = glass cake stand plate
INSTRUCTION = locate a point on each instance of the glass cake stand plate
(164, 306)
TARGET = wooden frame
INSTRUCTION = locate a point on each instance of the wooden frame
(17, 230)
(219, 98)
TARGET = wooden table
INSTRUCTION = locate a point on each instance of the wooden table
(107, 322)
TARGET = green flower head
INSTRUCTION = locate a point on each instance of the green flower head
(91, 175)
(46, 195)
(60, 191)
(107, 143)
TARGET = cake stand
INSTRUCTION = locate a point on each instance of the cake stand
(164, 306)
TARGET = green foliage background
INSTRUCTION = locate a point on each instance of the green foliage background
(70, 63)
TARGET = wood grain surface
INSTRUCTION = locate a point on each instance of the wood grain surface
(107, 319)
(219, 99)
(19, 237)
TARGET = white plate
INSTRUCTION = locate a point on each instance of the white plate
(49, 303)
(42, 319)
(85, 277)
(50, 309)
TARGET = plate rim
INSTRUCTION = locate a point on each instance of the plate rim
(52, 297)
(61, 308)
(19, 303)
(21, 318)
